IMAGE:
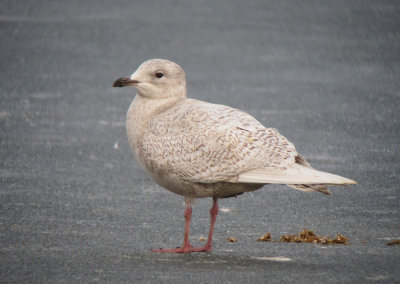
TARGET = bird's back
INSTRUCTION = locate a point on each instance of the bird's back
(203, 142)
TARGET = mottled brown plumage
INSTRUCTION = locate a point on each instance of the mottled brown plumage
(197, 149)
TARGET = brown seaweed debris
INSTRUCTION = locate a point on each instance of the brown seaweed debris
(394, 242)
(265, 238)
(232, 239)
(308, 236)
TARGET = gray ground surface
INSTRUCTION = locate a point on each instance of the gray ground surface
(75, 207)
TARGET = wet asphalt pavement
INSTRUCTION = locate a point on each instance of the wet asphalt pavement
(75, 206)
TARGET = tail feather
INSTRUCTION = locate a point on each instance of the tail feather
(300, 176)
(311, 187)
(296, 174)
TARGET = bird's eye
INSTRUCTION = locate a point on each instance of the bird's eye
(159, 74)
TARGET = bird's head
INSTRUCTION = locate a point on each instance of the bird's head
(156, 78)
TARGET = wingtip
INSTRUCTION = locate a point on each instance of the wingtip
(350, 181)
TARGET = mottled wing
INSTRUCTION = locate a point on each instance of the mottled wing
(207, 143)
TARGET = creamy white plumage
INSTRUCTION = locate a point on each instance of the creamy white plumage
(197, 149)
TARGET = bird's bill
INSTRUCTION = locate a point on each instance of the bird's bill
(125, 82)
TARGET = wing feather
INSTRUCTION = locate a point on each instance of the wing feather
(295, 174)
(207, 143)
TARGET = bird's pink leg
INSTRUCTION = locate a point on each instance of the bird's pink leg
(186, 247)
(186, 244)
(213, 217)
(188, 218)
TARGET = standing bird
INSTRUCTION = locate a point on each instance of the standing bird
(197, 149)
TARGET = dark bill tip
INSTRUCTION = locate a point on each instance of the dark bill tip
(122, 82)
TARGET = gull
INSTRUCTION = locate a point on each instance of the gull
(198, 149)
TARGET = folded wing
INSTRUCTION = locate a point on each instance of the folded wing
(293, 175)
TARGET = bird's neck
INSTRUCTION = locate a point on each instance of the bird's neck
(141, 111)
